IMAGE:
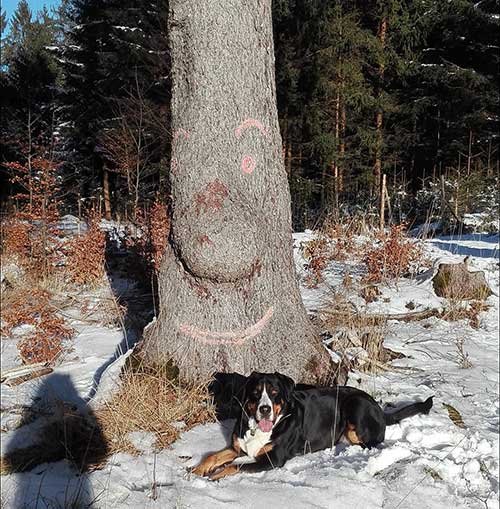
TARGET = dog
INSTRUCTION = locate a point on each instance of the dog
(279, 420)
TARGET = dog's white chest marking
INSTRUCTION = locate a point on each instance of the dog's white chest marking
(254, 440)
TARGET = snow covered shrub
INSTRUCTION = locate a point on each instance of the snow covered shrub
(85, 254)
(392, 257)
(464, 196)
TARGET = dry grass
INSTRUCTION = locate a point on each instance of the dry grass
(150, 401)
(461, 310)
(356, 336)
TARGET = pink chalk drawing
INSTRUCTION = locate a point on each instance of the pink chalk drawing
(246, 124)
(248, 165)
(234, 337)
(180, 132)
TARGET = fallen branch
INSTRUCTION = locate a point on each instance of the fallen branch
(12, 382)
(30, 371)
(403, 317)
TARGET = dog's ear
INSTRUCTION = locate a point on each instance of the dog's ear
(287, 385)
(250, 379)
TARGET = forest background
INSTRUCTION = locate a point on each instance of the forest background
(382, 87)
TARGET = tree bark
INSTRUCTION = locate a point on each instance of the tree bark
(343, 124)
(377, 170)
(229, 298)
(107, 194)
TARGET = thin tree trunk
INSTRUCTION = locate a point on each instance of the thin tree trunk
(343, 124)
(107, 199)
(229, 299)
(488, 167)
(469, 163)
(335, 167)
(380, 116)
(30, 156)
(382, 204)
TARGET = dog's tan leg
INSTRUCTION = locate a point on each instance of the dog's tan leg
(214, 461)
(351, 435)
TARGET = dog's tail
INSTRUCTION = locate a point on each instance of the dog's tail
(408, 411)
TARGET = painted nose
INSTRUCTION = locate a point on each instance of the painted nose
(265, 409)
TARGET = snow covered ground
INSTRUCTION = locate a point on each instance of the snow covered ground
(426, 461)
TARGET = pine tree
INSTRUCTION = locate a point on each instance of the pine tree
(115, 52)
(29, 79)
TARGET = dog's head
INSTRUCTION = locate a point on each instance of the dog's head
(267, 397)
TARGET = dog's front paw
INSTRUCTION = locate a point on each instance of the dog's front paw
(202, 469)
(226, 471)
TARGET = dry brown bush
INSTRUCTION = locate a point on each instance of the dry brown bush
(316, 251)
(461, 310)
(32, 306)
(85, 254)
(16, 239)
(159, 226)
(343, 237)
(149, 245)
(392, 258)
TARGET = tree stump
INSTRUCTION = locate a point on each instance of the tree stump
(454, 281)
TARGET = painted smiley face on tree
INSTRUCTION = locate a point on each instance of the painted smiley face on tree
(248, 163)
(211, 199)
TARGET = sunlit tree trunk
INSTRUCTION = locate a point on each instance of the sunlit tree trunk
(229, 298)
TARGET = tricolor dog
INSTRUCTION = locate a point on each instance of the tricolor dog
(279, 420)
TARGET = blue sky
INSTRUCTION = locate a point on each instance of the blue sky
(9, 6)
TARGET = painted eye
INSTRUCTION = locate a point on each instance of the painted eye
(248, 165)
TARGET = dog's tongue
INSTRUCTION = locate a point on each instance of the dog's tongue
(265, 425)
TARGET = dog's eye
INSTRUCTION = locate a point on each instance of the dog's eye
(274, 392)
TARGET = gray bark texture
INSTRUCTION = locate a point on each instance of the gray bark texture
(229, 298)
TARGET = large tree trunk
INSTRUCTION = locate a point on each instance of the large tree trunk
(229, 299)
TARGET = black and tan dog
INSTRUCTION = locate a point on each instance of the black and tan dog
(279, 420)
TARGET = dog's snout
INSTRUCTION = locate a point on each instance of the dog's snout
(265, 409)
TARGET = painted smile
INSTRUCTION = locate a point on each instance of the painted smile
(234, 337)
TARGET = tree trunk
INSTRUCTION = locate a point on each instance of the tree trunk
(341, 166)
(377, 170)
(229, 299)
(107, 197)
